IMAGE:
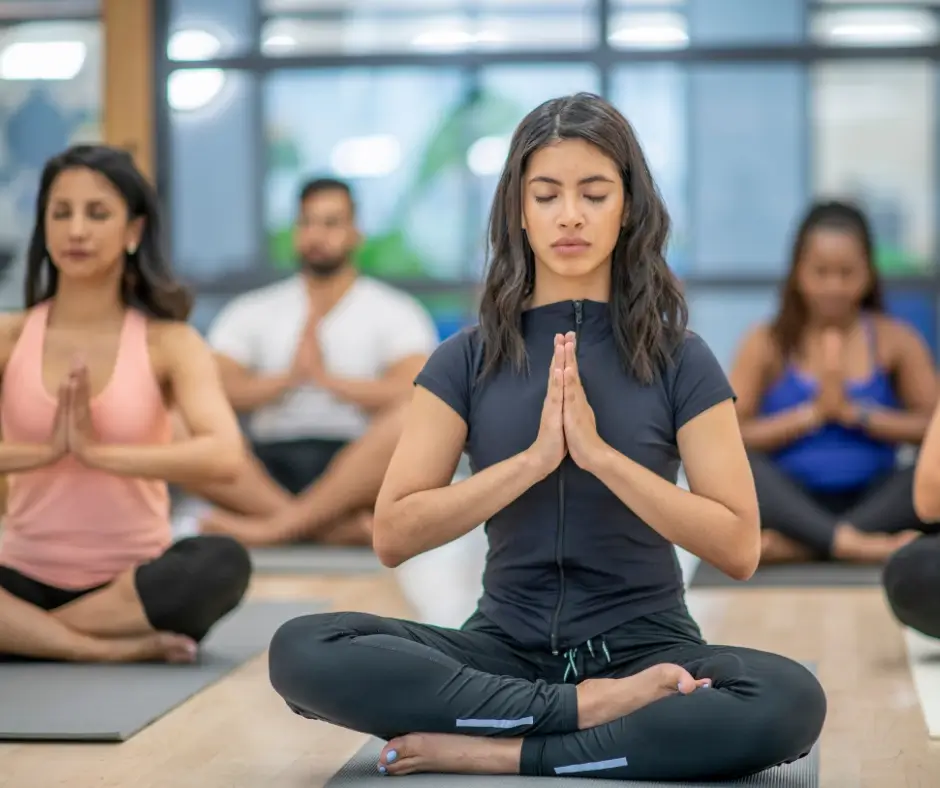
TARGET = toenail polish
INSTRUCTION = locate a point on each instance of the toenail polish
(381, 770)
(392, 755)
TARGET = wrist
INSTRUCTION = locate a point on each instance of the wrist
(598, 457)
(535, 466)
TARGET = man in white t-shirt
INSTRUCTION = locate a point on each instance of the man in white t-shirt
(323, 363)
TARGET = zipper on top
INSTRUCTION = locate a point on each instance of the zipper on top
(560, 531)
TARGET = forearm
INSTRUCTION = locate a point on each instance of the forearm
(702, 526)
(892, 426)
(371, 395)
(774, 432)
(193, 461)
(428, 519)
(19, 457)
(249, 392)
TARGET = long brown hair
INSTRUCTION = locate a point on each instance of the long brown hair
(788, 325)
(648, 310)
(148, 282)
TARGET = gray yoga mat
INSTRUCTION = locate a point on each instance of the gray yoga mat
(314, 559)
(823, 574)
(360, 772)
(42, 701)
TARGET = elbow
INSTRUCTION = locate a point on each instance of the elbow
(926, 499)
(386, 544)
(744, 558)
(228, 462)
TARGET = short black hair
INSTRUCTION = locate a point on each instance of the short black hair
(318, 185)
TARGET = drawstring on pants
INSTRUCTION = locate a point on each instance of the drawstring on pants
(572, 653)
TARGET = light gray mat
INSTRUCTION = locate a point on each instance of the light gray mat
(360, 772)
(43, 701)
(314, 559)
(823, 574)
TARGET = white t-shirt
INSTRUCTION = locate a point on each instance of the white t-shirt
(372, 327)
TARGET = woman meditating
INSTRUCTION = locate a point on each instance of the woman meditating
(576, 398)
(90, 372)
(827, 394)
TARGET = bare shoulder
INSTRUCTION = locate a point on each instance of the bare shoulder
(896, 338)
(11, 326)
(173, 341)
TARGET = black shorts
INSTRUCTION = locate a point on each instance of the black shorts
(185, 590)
(297, 464)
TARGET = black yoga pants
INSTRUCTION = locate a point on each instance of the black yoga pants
(911, 579)
(387, 677)
(185, 590)
(297, 464)
(810, 518)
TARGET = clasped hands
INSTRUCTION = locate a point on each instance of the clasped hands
(831, 404)
(73, 431)
(307, 365)
(568, 425)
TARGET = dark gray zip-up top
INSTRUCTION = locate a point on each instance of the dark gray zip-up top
(568, 560)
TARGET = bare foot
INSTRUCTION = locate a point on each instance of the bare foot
(443, 753)
(352, 531)
(775, 548)
(156, 647)
(250, 531)
(850, 544)
(604, 700)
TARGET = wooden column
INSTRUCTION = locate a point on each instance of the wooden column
(128, 79)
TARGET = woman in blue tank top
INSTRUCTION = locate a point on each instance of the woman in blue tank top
(828, 391)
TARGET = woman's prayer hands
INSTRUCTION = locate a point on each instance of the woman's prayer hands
(73, 431)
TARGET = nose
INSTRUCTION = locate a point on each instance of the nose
(77, 226)
(571, 214)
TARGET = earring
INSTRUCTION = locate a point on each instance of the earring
(131, 248)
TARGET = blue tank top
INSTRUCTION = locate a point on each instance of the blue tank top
(834, 457)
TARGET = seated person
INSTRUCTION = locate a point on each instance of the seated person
(827, 393)
(324, 363)
(90, 373)
(576, 397)
(911, 576)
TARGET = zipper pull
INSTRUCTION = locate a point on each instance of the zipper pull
(577, 312)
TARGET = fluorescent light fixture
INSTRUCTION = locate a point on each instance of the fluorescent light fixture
(487, 155)
(650, 36)
(42, 60)
(877, 33)
(193, 89)
(366, 157)
(279, 41)
(193, 45)
(445, 39)
(876, 28)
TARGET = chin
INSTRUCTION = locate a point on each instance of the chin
(577, 269)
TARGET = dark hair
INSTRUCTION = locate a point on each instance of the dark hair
(787, 327)
(319, 185)
(648, 310)
(148, 281)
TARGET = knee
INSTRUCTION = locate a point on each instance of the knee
(224, 570)
(794, 708)
(297, 655)
(911, 582)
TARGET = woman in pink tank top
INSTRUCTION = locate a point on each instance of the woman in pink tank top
(90, 373)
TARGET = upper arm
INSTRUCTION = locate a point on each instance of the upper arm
(436, 425)
(197, 387)
(749, 370)
(232, 334)
(914, 369)
(709, 435)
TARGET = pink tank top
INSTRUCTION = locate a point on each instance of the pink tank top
(70, 526)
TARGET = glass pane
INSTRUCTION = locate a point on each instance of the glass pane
(874, 129)
(725, 21)
(370, 28)
(50, 98)
(450, 311)
(205, 308)
(506, 95)
(648, 29)
(206, 29)
(748, 139)
(653, 97)
(215, 224)
(918, 309)
(875, 27)
(723, 318)
(395, 135)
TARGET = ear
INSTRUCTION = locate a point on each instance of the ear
(135, 231)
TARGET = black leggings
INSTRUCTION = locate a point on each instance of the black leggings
(911, 581)
(185, 590)
(810, 518)
(387, 677)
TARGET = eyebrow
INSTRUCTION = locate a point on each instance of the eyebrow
(582, 182)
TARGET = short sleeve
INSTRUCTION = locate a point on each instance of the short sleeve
(412, 333)
(232, 334)
(448, 373)
(699, 382)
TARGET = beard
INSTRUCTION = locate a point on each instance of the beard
(323, 267)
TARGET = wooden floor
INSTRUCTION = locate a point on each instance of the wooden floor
(239, 733)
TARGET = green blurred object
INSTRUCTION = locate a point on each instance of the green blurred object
(896, 262)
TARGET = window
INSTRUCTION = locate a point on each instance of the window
(215, 193)
(874, 129)
(207, 29)
(724, 317)
(748, 176)
(653, 98)
(396, 135)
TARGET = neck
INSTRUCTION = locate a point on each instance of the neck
(88, 303)
(329, 289)
(551, 288)
(845, 324)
